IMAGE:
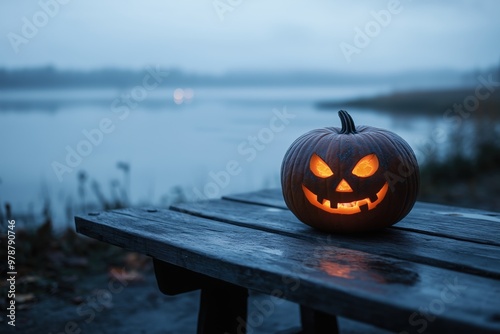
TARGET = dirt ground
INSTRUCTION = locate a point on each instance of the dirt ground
(138, 307)
(99, 304)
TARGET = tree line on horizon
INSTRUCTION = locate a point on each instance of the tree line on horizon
(51, 77)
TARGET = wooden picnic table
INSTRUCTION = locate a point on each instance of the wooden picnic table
(436, 271)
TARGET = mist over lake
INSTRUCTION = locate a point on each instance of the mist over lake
(166, 139)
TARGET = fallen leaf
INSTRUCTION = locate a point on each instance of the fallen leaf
(29, 279)
(135, 260)
(123, 275)
(25, 298)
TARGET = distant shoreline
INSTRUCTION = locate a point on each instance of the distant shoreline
(52, 77)
(425, 102)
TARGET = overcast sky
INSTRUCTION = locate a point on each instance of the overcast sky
(251, 34)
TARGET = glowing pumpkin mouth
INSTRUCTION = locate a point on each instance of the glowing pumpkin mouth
(345, 208)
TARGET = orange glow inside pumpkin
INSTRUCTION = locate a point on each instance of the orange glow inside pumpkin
(365, 167)
(345, 208)
(344, 187)
(319, 167)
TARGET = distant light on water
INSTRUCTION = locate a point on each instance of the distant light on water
(178, 96)
(183, 95)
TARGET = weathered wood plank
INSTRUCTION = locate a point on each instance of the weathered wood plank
(268, 197)
(447, 221)
(385, 292)
(448, 253)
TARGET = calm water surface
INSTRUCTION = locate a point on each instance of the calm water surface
(166, 144)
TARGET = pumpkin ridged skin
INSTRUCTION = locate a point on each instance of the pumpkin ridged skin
(341, 149)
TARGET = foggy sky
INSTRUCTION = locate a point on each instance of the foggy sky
(257, 34)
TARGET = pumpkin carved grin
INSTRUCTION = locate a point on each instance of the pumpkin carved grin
(345, 208)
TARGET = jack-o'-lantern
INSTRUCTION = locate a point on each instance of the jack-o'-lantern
(351, 179)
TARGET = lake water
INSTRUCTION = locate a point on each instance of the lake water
(171, 138)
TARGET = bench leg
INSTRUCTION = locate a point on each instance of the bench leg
(223, 309)
(223, 306)
(317, 322)
(173, 280)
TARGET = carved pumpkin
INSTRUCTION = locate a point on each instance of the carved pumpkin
(351, 179)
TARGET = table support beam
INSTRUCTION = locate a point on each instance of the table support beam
(317, 322)
(223, 309)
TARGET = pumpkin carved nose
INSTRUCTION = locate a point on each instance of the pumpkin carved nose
(344, 187)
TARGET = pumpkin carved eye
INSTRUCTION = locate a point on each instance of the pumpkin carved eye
(367, 166)
(319, 167)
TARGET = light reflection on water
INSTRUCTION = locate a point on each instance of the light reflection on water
(166, 144)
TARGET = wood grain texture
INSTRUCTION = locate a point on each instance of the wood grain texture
(440, 220)
(464, 256)
(376, 289)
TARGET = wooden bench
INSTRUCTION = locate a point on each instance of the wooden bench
(436, 271)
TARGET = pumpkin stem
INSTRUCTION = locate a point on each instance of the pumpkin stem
(347, 123)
